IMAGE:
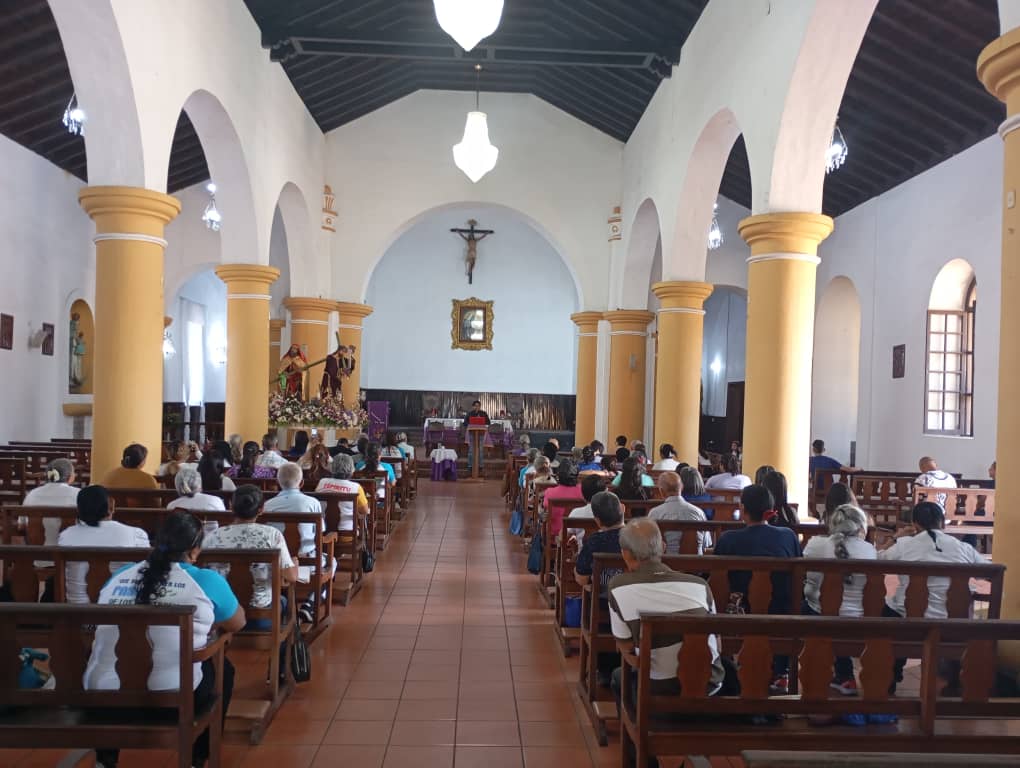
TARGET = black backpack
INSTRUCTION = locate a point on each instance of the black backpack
(300, 658)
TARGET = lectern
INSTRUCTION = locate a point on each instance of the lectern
(476, 438)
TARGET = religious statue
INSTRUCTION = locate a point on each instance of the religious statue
(292, 372)
(78, 360)
(73, 381)
(339, 365)
(471, 237)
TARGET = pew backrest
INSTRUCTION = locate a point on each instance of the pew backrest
(962, 505)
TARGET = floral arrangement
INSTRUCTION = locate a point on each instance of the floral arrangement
(327, 412)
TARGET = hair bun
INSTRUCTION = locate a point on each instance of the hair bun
(52, 475)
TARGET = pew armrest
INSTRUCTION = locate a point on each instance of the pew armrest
(216, 647)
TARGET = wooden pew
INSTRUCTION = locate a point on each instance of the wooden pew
(968, 510)
(349, 544)
(69, 717)
(928, 722)
(12, 480)
(596, 636)
(564, 583)
(546, 577)
(252, 714)
(380, 523)
(402, 489)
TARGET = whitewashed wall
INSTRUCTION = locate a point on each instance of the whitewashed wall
(892, 248)
(406, 341)
(48, 261)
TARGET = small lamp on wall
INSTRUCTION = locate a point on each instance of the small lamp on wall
(219, 354)
(169, 350)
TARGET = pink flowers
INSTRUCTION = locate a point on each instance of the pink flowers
(328, 412)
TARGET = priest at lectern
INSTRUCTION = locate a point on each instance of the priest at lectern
(476, 417)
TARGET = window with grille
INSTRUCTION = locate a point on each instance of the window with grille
(950, 370)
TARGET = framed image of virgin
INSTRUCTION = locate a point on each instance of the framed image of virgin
(471, 324)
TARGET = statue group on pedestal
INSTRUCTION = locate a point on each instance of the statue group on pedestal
(294, 367)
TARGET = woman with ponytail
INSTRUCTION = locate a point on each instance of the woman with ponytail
(925, 541)
(169, 577)
(130, 473)
(848, 526)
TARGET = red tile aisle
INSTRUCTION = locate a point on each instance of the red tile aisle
(445, 658)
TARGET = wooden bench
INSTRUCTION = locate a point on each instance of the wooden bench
(565, 584)
(754, 758)
(402, 489)
(969, 511)
(546, 573)
(596, 637)
(254, 706)
(719, 725)
(12, 480)
(380, 510)
(349, 544)
(133, 717)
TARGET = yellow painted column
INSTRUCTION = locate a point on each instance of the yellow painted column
(351, 315)
(587, 360)
(247, 411)
(998, 68)
(628, 335)
(780, 336)
(309, 329)
(127, 401)
(680, 325)
(275, 352)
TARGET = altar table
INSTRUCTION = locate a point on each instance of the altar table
(444, 464)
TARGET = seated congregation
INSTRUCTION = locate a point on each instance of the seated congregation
(713, 617)
(248, 546)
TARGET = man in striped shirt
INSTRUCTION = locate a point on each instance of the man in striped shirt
(648, 586)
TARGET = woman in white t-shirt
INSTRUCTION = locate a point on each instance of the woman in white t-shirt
(169, 577)
(189, 484)
(343, 469)
(848, 527)
(58, 491)
(95, 528)
(667, 460)
(925, 542)
(731, 479)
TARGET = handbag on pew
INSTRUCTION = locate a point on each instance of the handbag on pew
(367, 558)
(535, 553)
(300, 658)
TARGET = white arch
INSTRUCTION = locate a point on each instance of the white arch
(537, 226)
(102, 81)
(228, 169)
(300, 253)
(796, 169)
(835, 379)
(699, 192)
(641, 248)
(949, 289)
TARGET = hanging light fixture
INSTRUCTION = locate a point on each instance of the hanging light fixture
(475, 155)
(468, 21)
(211, 216)
(835, 155)
(74, 117)
(715, 238)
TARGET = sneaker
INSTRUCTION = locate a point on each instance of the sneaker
(305, 614)
(780, 685)
(847, 687)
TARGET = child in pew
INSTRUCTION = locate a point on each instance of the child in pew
(169, 577)
(924, 541)
(848, 527)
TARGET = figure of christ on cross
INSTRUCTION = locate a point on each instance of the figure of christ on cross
(471, 237)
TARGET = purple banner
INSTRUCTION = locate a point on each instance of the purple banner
(378, 419)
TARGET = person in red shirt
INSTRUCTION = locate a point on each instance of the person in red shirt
(567, 488)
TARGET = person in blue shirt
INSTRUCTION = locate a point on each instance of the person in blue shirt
(819, 460)
(759, 539)
(588, 463)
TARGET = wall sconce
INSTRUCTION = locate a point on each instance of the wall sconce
(219, 354)
(169, 350)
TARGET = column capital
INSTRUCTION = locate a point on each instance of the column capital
(786, 232)
(351, 313)
(276, 325)
(249, 281)
(587, 322)
(629, 320)
(682, 294)
(306, 306)
(998, 69)
(129, 213)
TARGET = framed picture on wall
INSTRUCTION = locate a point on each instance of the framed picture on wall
(6, 331)
(899, 361)
(47, 344)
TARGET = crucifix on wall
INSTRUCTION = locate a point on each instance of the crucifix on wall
(471, 236)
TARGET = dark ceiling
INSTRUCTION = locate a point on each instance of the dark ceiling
(912, 100)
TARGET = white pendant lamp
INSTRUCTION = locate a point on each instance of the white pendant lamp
(836, 154)
(715, 238)
(475, 155)
(468, 21)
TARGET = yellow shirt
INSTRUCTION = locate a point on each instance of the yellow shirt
(122, 477)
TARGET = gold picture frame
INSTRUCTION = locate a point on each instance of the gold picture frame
(471, 324)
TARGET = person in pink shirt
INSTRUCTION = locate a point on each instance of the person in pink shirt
(567, 488)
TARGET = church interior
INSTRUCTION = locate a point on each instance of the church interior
(509, 383)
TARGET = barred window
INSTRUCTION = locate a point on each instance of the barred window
(949, 396)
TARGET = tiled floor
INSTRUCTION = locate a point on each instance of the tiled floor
(445, 658)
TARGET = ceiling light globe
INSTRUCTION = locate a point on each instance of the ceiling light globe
(475, 155)
(468, 21)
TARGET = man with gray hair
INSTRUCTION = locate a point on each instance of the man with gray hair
(674, 507)
(271, 456)
(649, 586)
